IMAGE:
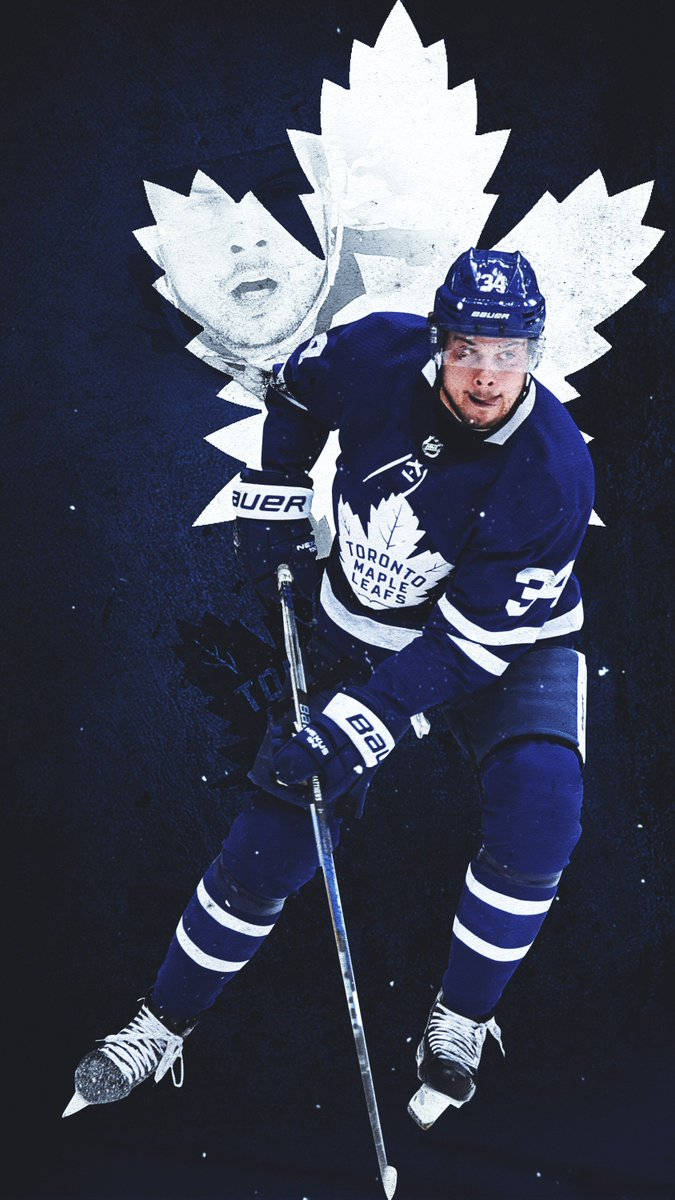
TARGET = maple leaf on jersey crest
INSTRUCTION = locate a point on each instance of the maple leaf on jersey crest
(392, 534)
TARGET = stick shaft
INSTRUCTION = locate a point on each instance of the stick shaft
(324, 846)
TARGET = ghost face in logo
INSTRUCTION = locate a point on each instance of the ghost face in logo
(233, 267)
(238, 272)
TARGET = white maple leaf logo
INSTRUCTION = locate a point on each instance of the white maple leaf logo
(423, 205)
(380, 562)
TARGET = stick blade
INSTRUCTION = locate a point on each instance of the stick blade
(389, 1181)
(427, 1105)
(75, 1105)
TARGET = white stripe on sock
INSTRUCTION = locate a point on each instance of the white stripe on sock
(223, 917)
(498, 953)
(509, 904)
(202, 959)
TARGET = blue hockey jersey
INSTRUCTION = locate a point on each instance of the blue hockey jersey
(454, 549)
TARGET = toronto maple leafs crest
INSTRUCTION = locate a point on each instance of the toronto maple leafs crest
(380, 561)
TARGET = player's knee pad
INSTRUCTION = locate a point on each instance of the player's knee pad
(224, 887)
(531, 796)
(271, 849)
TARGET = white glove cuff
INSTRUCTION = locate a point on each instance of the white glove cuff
(362, 726)
(271, 501)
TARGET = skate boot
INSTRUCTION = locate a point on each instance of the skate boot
(143, 1048)
(447, 1061)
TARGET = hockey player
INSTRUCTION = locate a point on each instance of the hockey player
(462, 494)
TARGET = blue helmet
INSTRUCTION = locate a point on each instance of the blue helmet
(490, 293)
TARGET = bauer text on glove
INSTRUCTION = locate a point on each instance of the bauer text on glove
(342, 741)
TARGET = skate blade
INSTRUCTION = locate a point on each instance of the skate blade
(427, 1105)
(389, 1180)
(75, 1105)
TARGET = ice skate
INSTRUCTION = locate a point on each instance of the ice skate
(144, 1048)
(447, 1062)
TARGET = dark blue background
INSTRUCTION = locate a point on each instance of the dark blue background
(111, 822)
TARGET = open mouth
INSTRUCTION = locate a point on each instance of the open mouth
(254, 287)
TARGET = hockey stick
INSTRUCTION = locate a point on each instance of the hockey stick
(324, 847)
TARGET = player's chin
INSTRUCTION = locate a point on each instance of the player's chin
(257, 329)
(483, 413)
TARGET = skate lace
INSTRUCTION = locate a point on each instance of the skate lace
(145, 1045)
(459, 1038)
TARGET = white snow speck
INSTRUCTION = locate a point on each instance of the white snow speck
(391, 983)
(538, 1174)
(639, 826)
(72, 608)
(81, 728)
(203, 778)
(643, 881)
(481, 514)
(256, 852)
(603, 670)
(71, 507)
(408, 1039)
(203, 1153)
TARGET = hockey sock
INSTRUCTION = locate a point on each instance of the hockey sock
(496, 923)
(220, 930)
(269, 852)
(531, 799)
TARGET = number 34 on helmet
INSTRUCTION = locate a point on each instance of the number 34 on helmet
(488, 293)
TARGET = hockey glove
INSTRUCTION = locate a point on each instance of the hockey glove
(273, 526)
(344, 744)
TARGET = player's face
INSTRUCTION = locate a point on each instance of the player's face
(239, 273)
(482, 377)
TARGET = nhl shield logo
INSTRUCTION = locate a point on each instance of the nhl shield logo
(432, 447)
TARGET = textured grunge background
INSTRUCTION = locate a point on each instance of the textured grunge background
(125, 773)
